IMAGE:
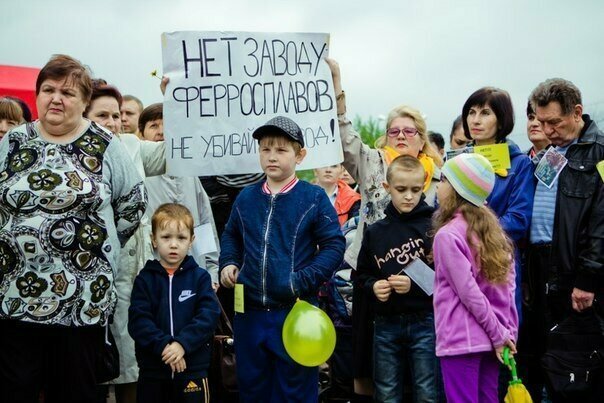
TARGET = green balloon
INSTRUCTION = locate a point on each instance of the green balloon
(308, 334)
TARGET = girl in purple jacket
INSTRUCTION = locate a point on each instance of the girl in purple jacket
(474, 310)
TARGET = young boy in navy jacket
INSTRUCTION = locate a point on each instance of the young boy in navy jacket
(282, 241)
(173, 313)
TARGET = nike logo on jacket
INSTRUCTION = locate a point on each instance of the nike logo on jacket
(185, 295)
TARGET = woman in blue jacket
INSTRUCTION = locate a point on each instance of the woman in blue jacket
(488, 118)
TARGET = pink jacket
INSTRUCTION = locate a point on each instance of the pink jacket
(471, 315)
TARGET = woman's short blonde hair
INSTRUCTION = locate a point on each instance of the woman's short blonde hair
(404, 111)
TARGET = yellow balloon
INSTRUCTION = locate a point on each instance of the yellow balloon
(308, 334)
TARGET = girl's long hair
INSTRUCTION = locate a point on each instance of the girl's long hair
(485, 236)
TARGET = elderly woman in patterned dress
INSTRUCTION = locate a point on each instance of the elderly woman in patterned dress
(69, 199)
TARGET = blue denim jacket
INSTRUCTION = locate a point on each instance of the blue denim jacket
(285, 245)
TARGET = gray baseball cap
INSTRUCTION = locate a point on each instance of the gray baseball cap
(280, 125)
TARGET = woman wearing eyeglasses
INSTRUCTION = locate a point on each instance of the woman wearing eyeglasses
(406, 134)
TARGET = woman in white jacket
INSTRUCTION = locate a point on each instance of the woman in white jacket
(406, 134)
(185, 190)
(148, 159)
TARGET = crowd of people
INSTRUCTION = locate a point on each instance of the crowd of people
(103, 253)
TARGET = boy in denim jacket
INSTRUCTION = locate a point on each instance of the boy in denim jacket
(282, 241)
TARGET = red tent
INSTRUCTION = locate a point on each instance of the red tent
(19, 81)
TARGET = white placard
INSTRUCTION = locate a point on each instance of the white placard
(421, 274)
(204, 240)
(223, 85)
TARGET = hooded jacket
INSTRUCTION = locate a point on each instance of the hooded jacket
(512, 196)
(388, 246)
(347, 202)
(181, 308)
(512, 202)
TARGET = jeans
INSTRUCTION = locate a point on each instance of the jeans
(400, 340)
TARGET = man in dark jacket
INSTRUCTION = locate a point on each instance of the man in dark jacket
(566, 258)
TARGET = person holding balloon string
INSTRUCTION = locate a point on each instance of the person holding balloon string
(282, 241)
(404, 317)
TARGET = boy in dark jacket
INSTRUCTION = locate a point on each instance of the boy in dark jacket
(282, 241)
(404, 317)
(173, 313)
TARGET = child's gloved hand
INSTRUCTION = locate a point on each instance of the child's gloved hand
(382, 290)
(228, 276)
(399, 283)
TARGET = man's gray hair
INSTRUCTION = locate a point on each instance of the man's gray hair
(556, 90)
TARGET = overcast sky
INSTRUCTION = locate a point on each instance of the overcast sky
(428, 54)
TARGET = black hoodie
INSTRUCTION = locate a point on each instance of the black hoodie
(389, 245)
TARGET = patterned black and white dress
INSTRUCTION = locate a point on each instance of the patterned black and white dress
(65, 211)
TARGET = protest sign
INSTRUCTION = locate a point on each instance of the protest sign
(454, 153)
(422, 275)
(497, 154)
(223, 85)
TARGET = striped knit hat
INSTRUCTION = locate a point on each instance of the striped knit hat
(471, 175)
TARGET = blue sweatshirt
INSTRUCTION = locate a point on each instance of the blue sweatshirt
(512, 196)
(512, 201)
(181, 308)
